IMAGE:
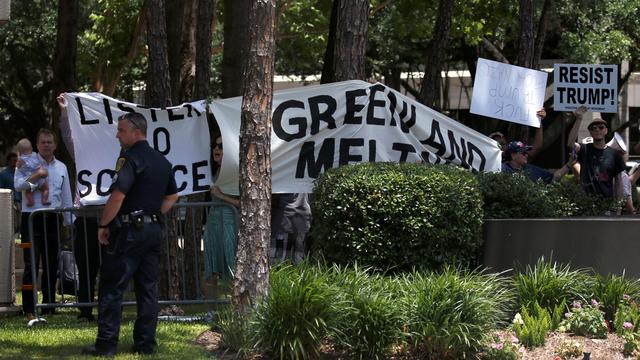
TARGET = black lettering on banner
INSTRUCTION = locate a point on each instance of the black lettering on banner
(84, 182)
(431, 140)
(299, 121)
(197, 176)
(183, 169)
(373, 104)
(352, 108)
(190, 109)
(372, 150)
(307, 158)
(404, 149)
(174, 117)
(563, 74)
(101, 174)
(393, 101)
(154, 116)
(167, 140)
(456, 151)
(406, 125)
(125, 108)
(107, 111)
(483, 160)
(326, 116)
(345, 155)
(561, 91)
(83, 119)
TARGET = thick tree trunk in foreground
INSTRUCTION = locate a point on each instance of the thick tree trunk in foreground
(430, 92)
(204, 32)
(251, 280)
(349, 41)
(236, 27)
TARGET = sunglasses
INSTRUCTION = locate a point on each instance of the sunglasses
(599, 127)
(217, 146)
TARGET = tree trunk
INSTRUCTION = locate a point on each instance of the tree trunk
(174, 26)
(159, 92)
(541, 33)
(435, 56)
(352, 22)
(328, 72)
(236, 28)
(187, 72)
(158, 83)
(251, 281)
(206, 20)
(64, 66)
(525, 50)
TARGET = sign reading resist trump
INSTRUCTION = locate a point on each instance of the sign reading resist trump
(180, 133)
(317, 128)
(594, 86)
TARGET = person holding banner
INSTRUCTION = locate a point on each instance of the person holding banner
(517, 154)
(221, 226)
(130, 231)
(599, 164)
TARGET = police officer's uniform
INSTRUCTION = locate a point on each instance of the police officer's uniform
(145, 177)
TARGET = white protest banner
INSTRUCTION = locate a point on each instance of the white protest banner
(180, 133)
(508, 92)
(594, 86)
(316, 128)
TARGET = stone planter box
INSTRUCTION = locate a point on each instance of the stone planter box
(608, 245)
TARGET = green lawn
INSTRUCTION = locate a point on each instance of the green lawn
(63, 337)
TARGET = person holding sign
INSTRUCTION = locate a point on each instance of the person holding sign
(599, 164)
(130, 231)
(517, 154)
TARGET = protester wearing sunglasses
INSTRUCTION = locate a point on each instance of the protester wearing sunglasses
(600, 165)
(517, 158)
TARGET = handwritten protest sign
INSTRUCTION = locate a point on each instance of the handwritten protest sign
(594, 86)
(508, 92)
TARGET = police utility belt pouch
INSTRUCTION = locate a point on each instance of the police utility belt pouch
(139, 218)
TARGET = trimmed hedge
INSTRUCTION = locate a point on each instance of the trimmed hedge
(508, 196)
(397, 216)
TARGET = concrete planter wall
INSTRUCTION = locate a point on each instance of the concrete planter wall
(609, 245)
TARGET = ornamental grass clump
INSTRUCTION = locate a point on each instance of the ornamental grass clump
(549, 285)
(301, 309)
(609, 291)
(450, 314)
(235, 329)
(371, 321)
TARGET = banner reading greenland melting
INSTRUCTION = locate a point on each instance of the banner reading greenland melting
(317, 128)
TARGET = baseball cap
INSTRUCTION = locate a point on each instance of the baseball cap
(517, 147)
(597, 121)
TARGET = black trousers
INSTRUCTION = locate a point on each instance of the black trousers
(46, 242)
(135, 254)
(87, 255)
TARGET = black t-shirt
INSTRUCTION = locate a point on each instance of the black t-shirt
(598, 168)
(145, 177)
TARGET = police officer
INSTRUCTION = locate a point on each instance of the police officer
(130, 233)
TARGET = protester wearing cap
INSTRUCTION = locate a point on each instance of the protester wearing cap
(517, 157)
(623, 182)
(599, 163)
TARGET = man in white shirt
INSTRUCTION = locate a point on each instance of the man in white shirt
(45, 225)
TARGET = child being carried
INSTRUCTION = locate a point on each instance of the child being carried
(30, 163)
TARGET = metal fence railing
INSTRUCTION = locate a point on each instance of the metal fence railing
(69, 257)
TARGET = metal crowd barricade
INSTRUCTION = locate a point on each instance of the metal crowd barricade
(187, 221)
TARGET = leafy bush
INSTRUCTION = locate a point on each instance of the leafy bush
(586, 320)
(533, 326)
(372, 318)
(502, 349)
(301, 309)
(397, 216)
(450, 315)
(549, 284)
(627, 315)
(509, 196)
(609, 291)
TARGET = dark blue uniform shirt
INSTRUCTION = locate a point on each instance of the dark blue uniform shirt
(145, 177)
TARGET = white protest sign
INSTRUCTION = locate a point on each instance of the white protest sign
(180, 133)
(316, 128)
(594, 86)
(508, 92)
